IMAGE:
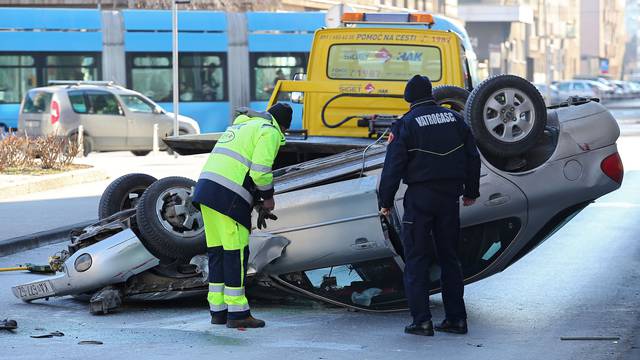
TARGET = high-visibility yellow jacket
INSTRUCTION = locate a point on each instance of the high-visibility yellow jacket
(239, 167)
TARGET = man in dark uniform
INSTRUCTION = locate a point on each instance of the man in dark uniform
(433, 151)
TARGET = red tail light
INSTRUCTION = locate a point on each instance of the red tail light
(612, 167)
(55, 112)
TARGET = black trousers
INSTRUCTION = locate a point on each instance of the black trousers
(431, 227)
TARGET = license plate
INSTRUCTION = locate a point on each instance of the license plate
(32, 124)
(36, 290)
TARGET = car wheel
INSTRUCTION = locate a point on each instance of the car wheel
(140, 152)
(507, 115)
(170, 225)
(451, 97)
(87, 143)
(124, 193)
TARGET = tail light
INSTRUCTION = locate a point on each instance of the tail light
(612, 167)
(55, 112)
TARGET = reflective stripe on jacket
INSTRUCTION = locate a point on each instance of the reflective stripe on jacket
(239, 166)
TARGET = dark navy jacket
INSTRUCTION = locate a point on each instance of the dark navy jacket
(431, 145)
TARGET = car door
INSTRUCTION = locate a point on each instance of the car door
(102, 117)
(489, 226)
(141, 116)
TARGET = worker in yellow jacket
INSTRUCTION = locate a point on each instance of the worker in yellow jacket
(236, 176)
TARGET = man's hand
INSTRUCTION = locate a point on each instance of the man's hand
(385, 211)
(269, 204)
(468, 201)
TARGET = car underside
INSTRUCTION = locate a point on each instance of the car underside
(330, 243)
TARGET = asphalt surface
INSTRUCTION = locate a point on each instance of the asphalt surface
(582, 282)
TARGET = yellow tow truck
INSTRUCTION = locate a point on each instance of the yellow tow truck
(354, 87)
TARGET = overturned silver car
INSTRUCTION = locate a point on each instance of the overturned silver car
(330, 243)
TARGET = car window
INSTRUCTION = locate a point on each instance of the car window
(103, 103)
(78, 102)
(578, 86)
(37, 102)
(564, 86)
(136, 103)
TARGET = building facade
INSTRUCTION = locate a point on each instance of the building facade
(603, 37)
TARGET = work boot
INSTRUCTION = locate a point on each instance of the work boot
(424, 329)
(248, 322)
(219, 318)
(453, 326)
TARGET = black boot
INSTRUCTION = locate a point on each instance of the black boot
(248, 322)
(453, 326)
(424, 329)
(219, 318)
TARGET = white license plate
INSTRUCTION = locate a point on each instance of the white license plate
(36, 290)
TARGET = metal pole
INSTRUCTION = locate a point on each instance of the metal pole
(176, 86)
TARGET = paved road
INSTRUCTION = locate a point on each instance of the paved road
(583, 281)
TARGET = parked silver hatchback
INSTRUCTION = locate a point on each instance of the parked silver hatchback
(113, 118)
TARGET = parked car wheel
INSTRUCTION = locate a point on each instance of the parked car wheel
(140, 152)
(452, 97)
(507, 115)
(170, 225)
(124, 193)
(87, 143)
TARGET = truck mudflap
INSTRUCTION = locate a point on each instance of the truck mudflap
(110, 261)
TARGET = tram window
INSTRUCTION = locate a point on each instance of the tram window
(71, 67)
(201, 76)
(17, 75)
(268, 68)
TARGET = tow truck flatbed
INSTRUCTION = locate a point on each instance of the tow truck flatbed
(203, 143)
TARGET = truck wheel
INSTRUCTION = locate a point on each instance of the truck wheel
(140, 152)
(507, 115)
(123, 193)
(170, 226)
(451, 97)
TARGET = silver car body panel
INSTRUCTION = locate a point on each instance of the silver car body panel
(328, 225)
(114, 260)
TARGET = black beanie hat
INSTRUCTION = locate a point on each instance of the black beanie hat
(418, 88)
(282, 113)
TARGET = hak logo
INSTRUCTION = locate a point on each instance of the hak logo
(369, 88)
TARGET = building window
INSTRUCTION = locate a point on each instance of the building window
(268, 68)
(201, 75)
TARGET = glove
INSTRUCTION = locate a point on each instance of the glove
(263, 215)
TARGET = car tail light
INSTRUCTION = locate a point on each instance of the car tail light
(612, 167)
(55, 112)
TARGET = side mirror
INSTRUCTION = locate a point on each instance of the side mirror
(157, 110)
(296, 96)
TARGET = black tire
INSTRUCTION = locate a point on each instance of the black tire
(499, 126)
(117, 196)
(178, 242)
(452, 97)
(87, 143)
(140, 152)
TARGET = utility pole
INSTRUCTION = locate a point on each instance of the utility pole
(176, 84)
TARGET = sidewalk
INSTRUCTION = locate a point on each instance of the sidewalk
(26, 214)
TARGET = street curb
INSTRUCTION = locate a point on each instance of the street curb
(50, 182)
(42, 238)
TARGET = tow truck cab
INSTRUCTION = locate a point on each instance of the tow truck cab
(360, 70)
(355, 83)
